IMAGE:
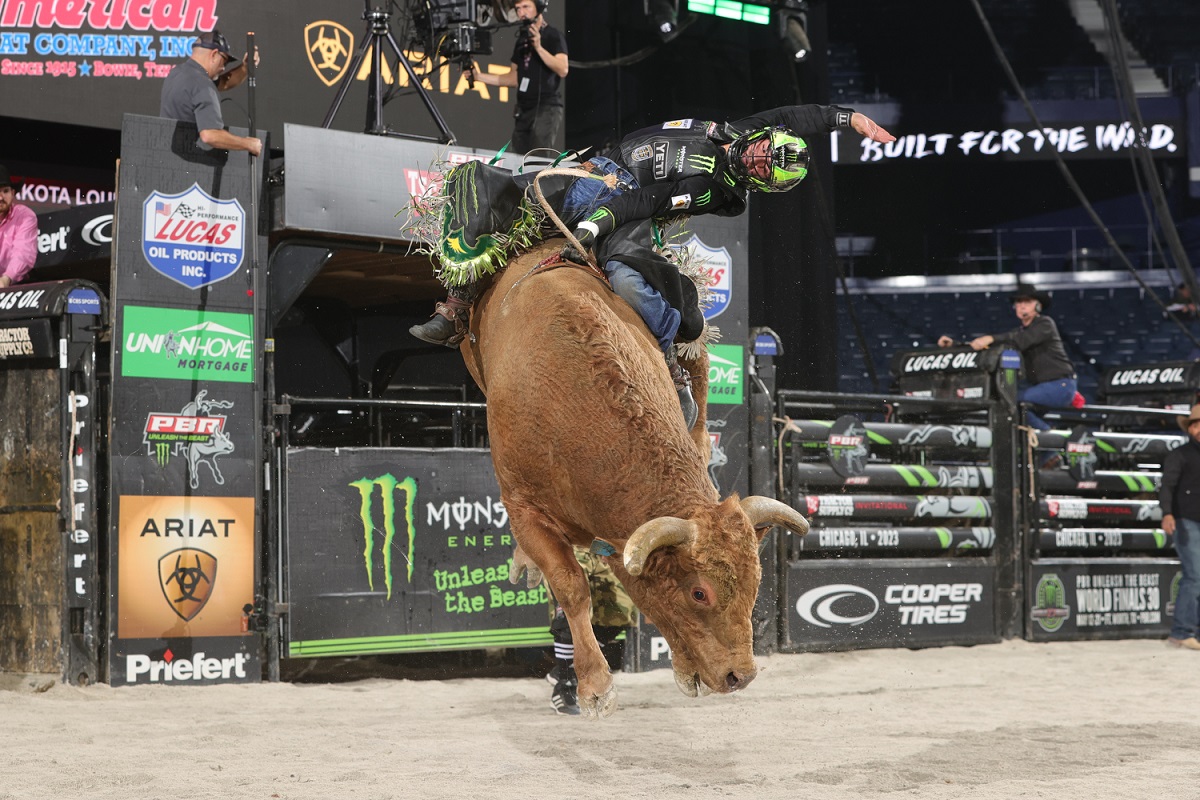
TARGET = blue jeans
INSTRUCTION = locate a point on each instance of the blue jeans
(585, 195)
(1187, 604)
(1052, 394)
(630, 286)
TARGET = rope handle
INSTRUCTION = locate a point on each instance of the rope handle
(609, 180)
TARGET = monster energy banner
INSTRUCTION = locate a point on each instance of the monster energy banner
(892, 477)
(1101, 599)
(1090, 541)
(1106, 482)
(185, 448)
(402, 550)
(855, 604)
(855, 541)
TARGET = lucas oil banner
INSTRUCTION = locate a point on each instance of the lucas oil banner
(402, 550)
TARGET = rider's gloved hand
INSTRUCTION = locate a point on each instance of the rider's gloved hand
(570, 253)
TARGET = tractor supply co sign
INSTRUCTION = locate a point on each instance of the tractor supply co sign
(192, 237)
(887, 604)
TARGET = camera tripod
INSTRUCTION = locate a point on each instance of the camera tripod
(378, 32)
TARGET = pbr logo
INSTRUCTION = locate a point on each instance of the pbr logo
(187, 576)
(1050, 609)
(848, 447)
(193, 238)
(193, 433)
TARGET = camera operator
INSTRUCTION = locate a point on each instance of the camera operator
(539, 63)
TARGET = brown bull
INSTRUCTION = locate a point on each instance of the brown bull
(588, 442)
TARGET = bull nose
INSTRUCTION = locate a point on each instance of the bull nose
(739, 680)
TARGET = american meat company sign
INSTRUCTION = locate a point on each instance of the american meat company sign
(192, 237)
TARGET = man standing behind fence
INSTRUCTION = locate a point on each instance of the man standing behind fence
(1051, 374)
(1180, 501)
(18, 234)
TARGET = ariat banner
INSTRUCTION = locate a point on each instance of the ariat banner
(402, 550)
(186, 566)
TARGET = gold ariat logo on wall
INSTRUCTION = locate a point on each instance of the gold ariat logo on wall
(328, 45)
(186, 576)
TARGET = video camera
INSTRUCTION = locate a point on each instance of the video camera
(453, 29)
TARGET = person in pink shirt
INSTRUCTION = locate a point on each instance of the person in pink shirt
(18, 234)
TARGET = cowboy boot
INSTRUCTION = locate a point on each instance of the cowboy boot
(447, 326)
(683, 388)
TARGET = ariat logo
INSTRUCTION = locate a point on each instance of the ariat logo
(328, 45)
(389, 487)
(187, 576)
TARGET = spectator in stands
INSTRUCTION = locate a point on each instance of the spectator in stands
(1050, 374)
(1182, 304)
(18, 234)
(1179, 497)
(189, 93)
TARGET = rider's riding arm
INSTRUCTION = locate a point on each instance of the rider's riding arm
(695, 195)
(807, 120)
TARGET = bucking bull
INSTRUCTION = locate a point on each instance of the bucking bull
(590, 449)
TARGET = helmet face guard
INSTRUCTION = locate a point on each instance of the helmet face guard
(769, 159)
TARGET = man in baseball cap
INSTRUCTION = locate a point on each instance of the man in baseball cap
(1179, 497)
(18, 233)
(189, 93)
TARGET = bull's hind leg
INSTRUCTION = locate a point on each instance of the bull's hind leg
(539, 540)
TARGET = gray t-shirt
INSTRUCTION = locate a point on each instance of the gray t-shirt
(188, 94)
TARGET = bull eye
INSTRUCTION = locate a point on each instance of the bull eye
(699, 595)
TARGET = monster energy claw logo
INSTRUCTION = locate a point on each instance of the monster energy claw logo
(703, 163)
(388, 487)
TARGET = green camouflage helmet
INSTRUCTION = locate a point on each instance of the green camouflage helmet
(788, 159)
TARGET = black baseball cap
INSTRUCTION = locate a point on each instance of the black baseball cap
(214, 40)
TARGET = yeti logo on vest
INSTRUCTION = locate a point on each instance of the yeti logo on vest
(192, 237)
(718, 264)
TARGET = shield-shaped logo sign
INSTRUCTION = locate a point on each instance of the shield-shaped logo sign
(187, 577)
(192, 237)
(718, 264)
(328, 45)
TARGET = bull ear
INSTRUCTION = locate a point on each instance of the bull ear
(764, 512)
(658, 532)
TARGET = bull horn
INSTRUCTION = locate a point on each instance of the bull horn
(763, 510)
(658, 532)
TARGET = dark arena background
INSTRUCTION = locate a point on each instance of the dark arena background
(242, 482)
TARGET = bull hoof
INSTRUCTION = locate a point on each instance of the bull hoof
(601, 705)
(688, 684)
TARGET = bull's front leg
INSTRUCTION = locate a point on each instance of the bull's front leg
(538, 541)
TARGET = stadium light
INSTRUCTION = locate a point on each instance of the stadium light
(796, 38)
(665, 16)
